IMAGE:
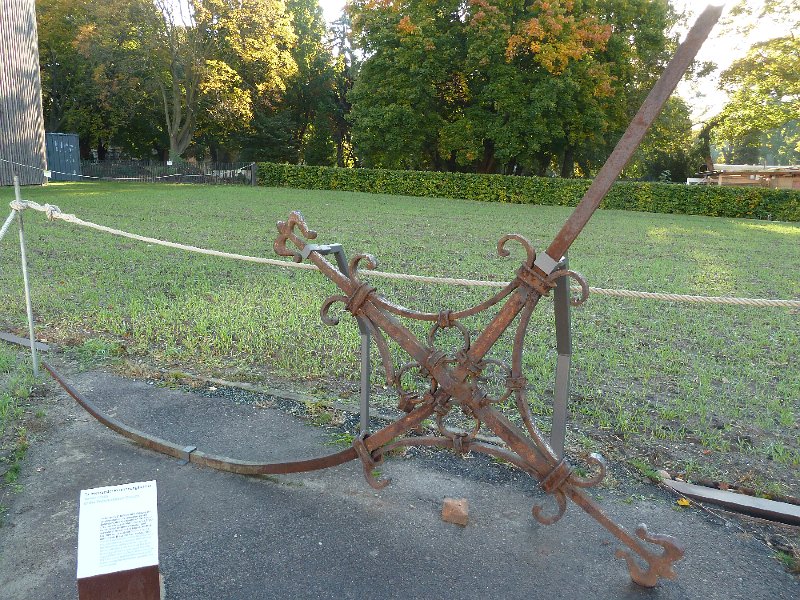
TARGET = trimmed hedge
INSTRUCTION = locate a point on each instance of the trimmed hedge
(713, 201)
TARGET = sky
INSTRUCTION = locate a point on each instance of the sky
(722, 48)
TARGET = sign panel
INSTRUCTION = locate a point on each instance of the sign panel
(117, 529)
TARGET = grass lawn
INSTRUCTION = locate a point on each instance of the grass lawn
(709, 391)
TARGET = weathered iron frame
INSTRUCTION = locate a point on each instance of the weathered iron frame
(454, 377)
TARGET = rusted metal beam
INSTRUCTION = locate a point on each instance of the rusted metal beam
(636, 131)
(758, 507)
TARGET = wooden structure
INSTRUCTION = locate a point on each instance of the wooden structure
(777, 178)
(22, 145)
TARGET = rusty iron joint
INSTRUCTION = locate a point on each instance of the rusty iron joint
(534, 280)
(557, 477)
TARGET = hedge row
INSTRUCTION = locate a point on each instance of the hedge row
(714, 201)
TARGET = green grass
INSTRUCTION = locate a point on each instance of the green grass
(16, 384)
(676, 378)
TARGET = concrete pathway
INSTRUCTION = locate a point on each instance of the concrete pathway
(328, 534)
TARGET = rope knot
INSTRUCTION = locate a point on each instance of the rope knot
(52, 211)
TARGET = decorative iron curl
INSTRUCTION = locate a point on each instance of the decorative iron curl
(437, 326)
(372, 264)
(659, 565)
(573, 300)
(464, 437)
(369, 462)
(324, 311)
(507, 370)
(561, 503)
(596, 460)
(286, 229)
(408, 399)
(501, 247)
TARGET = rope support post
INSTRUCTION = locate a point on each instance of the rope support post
(26, 281)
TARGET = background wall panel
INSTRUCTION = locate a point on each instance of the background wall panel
(21, 119)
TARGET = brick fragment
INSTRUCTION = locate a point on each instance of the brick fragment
(455, 510)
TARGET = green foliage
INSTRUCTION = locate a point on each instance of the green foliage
(495, 86)
(154, 74)
(666, 153)
(764, 88)
(714, 201)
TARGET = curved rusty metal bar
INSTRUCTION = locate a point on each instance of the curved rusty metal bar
(409, 313)
(224, 463)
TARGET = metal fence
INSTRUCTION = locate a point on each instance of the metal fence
(166, 172)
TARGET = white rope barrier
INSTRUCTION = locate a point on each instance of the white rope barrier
(7, 224)
(54, 214)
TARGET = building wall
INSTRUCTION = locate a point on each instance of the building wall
(21, 118)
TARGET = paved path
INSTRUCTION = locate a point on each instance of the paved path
(329, 535)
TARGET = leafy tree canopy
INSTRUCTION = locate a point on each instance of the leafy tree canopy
(501, 85)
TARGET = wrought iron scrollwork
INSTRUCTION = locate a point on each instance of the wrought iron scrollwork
(456, 378)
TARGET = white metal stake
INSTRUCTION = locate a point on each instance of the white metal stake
(24, 259)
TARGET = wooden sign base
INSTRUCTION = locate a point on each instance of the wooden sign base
(136, 584)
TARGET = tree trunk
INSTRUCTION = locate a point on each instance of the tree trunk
(568, 164)
(488, 161)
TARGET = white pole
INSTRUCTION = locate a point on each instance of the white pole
(24, 259)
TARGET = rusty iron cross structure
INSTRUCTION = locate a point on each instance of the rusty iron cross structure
(454, 378)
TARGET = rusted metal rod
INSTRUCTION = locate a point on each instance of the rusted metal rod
(636, 131)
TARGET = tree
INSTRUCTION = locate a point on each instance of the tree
(668, 151)
(760, 120)
(764, 89)
(207, 64)
(88, 87)
(501, 85)
(215, 63)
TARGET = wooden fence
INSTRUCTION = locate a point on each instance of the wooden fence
(22, 147)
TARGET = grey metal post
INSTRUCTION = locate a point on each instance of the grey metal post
(366, 368)
(561, 305)
(23, 257)
(366, 371)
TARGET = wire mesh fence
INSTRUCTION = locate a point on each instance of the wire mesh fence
(168, 172)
